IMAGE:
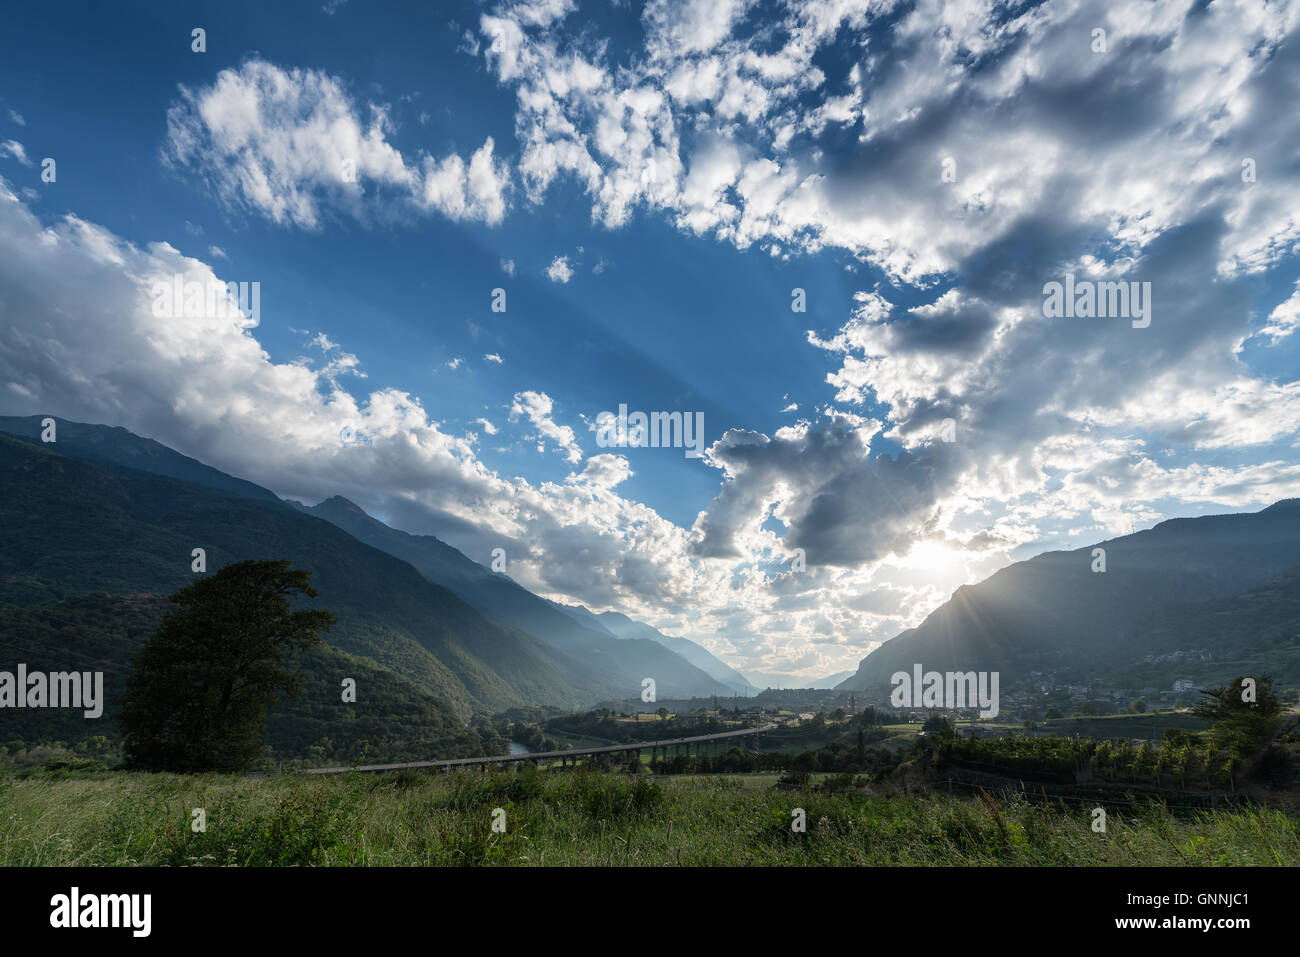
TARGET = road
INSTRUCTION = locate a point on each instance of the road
(549, 755)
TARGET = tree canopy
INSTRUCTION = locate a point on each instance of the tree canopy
(1243, 712)
(202, 685)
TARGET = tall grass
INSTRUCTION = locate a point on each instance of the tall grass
(582, 818)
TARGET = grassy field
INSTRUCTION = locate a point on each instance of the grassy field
(581, 818)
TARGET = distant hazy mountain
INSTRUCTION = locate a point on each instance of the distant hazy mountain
(621, 626)
(1053, 611)
(619, 664)
(71, 527)
(832, 680)
(786, 682)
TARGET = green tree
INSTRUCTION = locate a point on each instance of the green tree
(198, 697)
(1139, 706)
(1241, 726)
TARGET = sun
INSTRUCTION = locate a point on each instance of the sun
(936, 558)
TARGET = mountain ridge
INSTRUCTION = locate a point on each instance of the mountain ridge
(502, 599)
(1053, 611)
(71, 527)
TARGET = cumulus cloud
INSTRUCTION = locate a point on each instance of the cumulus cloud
(291, 144)
(85, 344)
(537, 407)
(604, 470)
(838, 503)
(559, 270)
(961, 120)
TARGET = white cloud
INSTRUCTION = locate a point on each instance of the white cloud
(338, 362)
(678, 27)
(475, 192)
(559, 270)
(290, 144)
(537, 408)
(15, 149)
(604, 470)
(735, 148)
(84, 343)
(493, 357)
(1284, 319)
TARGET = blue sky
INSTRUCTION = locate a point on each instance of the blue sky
(648, 184)
(647, 330)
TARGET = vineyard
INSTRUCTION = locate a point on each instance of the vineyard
(1180, 760)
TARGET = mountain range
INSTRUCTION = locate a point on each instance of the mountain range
(103, 512)
(620, 664)
(1054, 612)
(97, 526)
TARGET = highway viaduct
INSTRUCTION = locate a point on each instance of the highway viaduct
(564, 757)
